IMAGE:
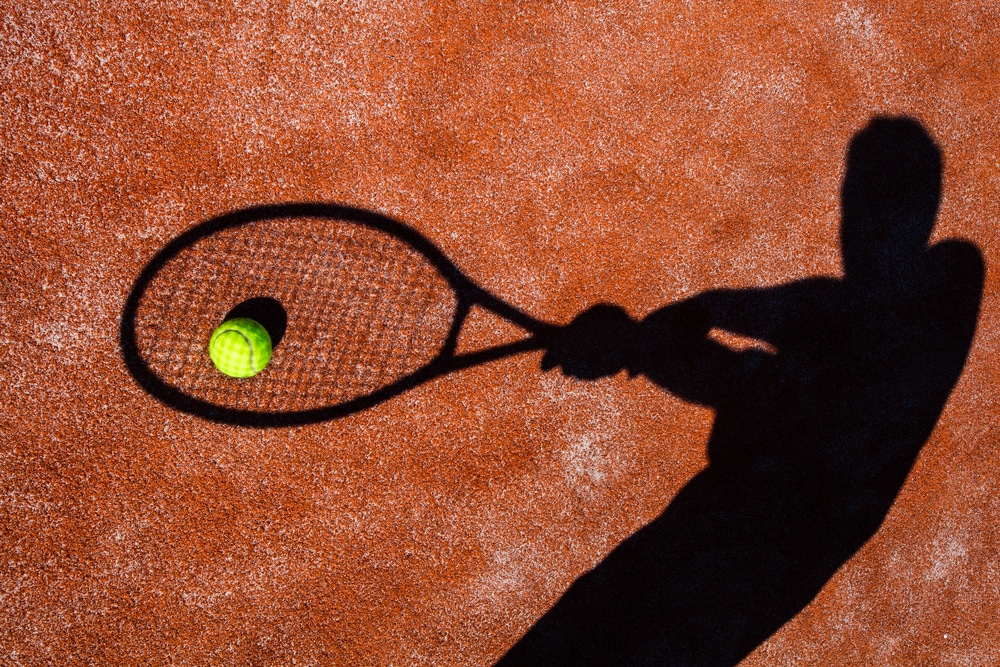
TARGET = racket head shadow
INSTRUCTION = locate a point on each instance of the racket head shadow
(373, 309)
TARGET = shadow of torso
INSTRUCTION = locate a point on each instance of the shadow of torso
(810, 447)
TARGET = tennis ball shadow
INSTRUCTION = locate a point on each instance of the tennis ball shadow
(269, 312)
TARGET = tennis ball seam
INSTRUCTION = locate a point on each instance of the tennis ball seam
(253, 366)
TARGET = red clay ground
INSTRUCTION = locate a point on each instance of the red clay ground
(561, 154)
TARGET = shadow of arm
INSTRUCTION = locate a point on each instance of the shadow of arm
(672, 348)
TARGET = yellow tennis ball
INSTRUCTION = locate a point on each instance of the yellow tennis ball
(240, 348)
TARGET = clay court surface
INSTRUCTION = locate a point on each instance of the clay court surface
(561, 155)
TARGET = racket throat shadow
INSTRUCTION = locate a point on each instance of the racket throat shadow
(462, 310)
(473, 323)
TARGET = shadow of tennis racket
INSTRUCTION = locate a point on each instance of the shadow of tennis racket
(374, 309)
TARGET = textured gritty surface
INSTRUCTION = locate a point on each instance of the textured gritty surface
(561, 154)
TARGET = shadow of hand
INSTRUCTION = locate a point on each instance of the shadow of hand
(595, 344)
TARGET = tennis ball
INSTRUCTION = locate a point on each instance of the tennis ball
(240, 348)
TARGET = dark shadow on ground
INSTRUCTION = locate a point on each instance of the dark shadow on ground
(268, 312)
(811, 445)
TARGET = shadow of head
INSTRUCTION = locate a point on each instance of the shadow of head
(890, 197)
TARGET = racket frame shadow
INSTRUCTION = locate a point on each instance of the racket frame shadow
(467, 293)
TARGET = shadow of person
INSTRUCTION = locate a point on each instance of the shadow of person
(812, 440)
